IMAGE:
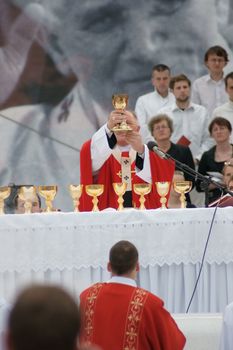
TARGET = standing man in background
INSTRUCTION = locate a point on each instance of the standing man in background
(190, 120)
(209, 90)
(226, 109)
(149, 104)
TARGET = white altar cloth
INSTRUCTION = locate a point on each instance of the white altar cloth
(72, 249)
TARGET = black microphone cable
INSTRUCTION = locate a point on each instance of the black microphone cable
(203, 256)
(40, 133)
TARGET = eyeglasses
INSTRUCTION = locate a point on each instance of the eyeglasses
(162, 127)
(217, 60)
(228, 163)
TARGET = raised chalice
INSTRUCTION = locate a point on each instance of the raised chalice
(182, 187)
(120, 188)
(120, 101)
(163, 189)
(48, 193)
(27, 194)
(76, 192)
(142, 189)
(4, 193)
(94, 191)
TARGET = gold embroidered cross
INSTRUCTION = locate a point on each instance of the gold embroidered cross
(120, 173)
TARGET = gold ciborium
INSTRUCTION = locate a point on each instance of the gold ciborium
(4, 193)
(120, 101)
(163, 189)
(48, 193)
(94, 191)
(142, 190)
(27, 194)
(76, 192)
(120, 188)
(182, 187)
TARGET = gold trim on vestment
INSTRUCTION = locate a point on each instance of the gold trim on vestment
(133, 319)
(89, 311)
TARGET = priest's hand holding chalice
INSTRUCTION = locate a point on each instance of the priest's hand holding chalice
(118, 118)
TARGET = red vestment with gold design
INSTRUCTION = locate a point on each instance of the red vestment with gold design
(161, 170)
(122, 317)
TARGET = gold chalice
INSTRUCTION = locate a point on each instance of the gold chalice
(120, 188)
(120, 101)
(182, 187)
(94, 191)
(27, 194)
(142, 190)
(4, 193)
(49, 193)
(76, 192)
(163, 189)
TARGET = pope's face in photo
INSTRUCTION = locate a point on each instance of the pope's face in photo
(112, 46)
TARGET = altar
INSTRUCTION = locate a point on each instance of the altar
(71, 249)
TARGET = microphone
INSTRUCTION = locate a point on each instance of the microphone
(154, 147)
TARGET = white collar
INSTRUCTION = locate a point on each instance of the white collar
(123, 280)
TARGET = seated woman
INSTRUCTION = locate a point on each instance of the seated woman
(174, 198)
(161, 128)
(213, 160)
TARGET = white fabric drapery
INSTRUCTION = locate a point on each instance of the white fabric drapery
(72, 249)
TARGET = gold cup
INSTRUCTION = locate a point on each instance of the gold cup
(94, 191)
(182, 187)
(120, 101)
(120, 188)
(27, 194)
(76, 192)
(49, 193)
(163, 189)
(4, 193)
(142, 190)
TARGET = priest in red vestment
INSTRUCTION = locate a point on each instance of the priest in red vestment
(118, 315)
(121, 157)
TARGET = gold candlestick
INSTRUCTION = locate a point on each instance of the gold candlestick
(27, 194)
(120, 101)
(94, 191)
(120, 188)
(4, 193)
(76, 192)
(163, 189)
(182, 187)
(142, 190)
(49, 193)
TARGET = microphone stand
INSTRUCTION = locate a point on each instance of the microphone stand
(206, 180)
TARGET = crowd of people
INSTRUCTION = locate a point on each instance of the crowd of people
(176, 116)
(193, 126)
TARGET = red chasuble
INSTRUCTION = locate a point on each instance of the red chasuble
(121, 317)
(161, 170)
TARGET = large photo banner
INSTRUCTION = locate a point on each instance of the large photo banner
(61, 61)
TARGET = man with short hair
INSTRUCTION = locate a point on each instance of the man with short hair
(226, 110)
(209, 90)
(190, 120)
(119, 315)
(149, 104)
(44, 317)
